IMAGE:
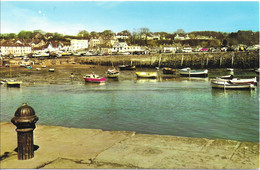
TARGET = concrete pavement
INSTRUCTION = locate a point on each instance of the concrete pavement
(72, 148)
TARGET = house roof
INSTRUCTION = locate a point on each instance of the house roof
(11, 44)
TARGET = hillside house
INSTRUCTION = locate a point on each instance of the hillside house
(78, 45)
(93, 42)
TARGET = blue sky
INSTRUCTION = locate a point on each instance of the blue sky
(69, 17)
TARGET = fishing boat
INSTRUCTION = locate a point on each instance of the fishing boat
(223, 84)
(187, 72)
(12, 83)
(127, 67)
(112, 73)
(51, 70)
(146, 74)
(167, 70)
(93, 78)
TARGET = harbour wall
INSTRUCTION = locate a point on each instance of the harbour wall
(248, 59)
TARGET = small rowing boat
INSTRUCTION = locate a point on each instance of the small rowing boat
(146, 74)
(167, 70)
(187, 72)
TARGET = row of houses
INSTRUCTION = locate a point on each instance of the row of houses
(75, 46)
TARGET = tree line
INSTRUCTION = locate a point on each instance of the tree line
(140, 37)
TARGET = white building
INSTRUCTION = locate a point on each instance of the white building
(78, 45)
(169, 49)
(15, 49)
(122, 47)
(94, 42)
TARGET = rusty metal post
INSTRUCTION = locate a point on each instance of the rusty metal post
(25, 120)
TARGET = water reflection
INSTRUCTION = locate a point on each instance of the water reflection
(231, 92)
(143, 80)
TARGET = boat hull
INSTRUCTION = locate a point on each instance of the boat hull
(112, 75)
(13, 84)
(186, 74)
(126, 67)
(146, 74)
(95, 80)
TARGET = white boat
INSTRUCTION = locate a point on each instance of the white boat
(187, 72)
(51, 70)
(112, 73)
(146, 74)
(226, 84)
(244, 81)
(238, 80)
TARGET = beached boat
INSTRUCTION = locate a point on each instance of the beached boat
(146, 74)
(187, 72)
(93, 78)
(12, 83)
(127, 67)
(224, 84)
(167, 70)
(112, 73)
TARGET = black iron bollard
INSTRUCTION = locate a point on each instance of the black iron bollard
(25, 119)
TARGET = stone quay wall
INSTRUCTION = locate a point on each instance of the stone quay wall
(243, 60)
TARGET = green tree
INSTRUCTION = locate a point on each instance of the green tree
(25, 34)
(83, 34)
(94, 34)
(107, 34)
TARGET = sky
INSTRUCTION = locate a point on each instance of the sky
(70, 17)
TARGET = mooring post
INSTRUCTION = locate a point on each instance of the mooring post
(232, 60)
(182, 59)
(25, 119)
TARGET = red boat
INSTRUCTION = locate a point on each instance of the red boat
(93, 78)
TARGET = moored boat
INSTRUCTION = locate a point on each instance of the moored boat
(127, 67)
(146, 74)
(244, 81)
(229, 77)
(167, 70)
(12, 83)
(224, 84)
(112, 73)
(187, 72)
(51, 70)
(238, 80)
(93, 78)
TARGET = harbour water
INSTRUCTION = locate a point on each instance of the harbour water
(180, 107)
